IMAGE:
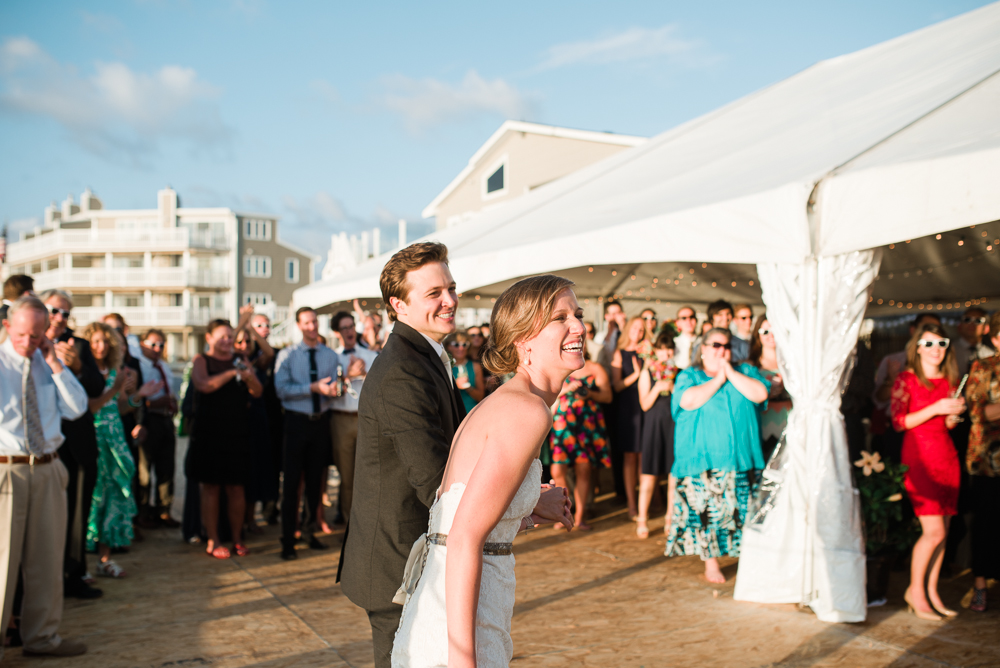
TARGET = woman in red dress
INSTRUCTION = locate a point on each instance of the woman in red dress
(924, 408)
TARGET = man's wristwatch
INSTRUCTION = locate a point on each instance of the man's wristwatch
(529, 523)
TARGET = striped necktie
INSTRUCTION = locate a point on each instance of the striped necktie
(446, 360)
(34, 438)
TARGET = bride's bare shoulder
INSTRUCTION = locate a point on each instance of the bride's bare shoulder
(509, 403)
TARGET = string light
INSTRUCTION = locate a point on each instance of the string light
(614, 273)
(704, 265)
(713, 284)
(590, 269)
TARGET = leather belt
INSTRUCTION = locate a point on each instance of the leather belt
(29, 459)
(493, 549)
(312, 417)
(344, 412)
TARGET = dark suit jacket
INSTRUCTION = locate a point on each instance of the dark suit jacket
(81, 439)
(407, 416)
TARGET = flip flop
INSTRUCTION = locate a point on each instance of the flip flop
(242, 550)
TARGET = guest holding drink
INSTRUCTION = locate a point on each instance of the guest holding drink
(764, 356)
(579, 436)
(626, 367)
(112, 507)
(217, 456)
(655, 385)
(924, 408)
(716, 453)
(468, 374)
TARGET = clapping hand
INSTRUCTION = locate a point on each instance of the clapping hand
(355, 367)
(150, 388)
(131, 378)
(325, 386)
(66, 352)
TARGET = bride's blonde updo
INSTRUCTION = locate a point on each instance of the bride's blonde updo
(519, 314)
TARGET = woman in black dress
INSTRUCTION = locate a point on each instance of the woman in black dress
(655, 385)
(626, 367)
(217, 456)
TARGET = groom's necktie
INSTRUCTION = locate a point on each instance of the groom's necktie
(446, 360)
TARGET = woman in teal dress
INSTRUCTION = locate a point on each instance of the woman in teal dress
(716, 453)
(113, 507)
(467, 373)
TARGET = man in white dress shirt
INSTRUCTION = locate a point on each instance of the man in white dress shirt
(37, 393)
(356, 361)
(686, 322)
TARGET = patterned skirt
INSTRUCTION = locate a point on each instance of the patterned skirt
(708, 514)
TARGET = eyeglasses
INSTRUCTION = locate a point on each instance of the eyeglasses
(968, 320)
(59, 311)
(158, 345)
(744, 317)
(685, 317)
(717, 345)
(764, 332)
(649, 317)
(930, 343)
(457, 344)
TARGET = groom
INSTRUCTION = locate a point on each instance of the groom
(408, 413)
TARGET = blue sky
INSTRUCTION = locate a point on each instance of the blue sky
(339, 116)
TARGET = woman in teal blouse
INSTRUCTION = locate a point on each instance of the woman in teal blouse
(716, 453)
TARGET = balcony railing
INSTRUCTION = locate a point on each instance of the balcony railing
(133, 279)
(140, 316)
(104, 241)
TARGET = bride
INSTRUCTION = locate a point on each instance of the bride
(458, 590)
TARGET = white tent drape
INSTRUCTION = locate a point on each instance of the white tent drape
(809, 546)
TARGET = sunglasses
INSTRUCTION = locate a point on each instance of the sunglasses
(930, 343)
(744, 317)
(648, 317)
(456, 344)
(59, 311)
(717, 345)
(158, 345)
(764, 332)
(686, 317)
(476, 336)
(968, 320)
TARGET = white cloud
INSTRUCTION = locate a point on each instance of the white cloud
(19, 225)
(114, 111)
(632, 44)
(424, 103)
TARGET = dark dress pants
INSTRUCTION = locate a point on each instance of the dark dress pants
(306, 453)
(384, 624)
(79, 495)
(157, 454)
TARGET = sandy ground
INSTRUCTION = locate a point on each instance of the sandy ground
(599, 598)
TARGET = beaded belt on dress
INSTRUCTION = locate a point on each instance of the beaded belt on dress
(492, 549)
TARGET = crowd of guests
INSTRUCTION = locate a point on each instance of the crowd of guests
(687, 410)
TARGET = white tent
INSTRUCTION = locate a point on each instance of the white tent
(802, 179)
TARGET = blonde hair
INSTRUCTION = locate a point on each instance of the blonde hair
(393, 281)
(623, 338)
(114, 359)
(519, 314)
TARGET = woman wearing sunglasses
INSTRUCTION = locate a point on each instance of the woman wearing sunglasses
(467, 373)
(924, 408)
(716, 452)
(764, 356)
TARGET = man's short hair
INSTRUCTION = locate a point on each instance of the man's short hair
(30, 303)
(921, 317)
(740, 307)
(303, 309)
(337, 317)
(718, 306)
(115, 316)
(154, 332)
(973, 310)
(612, 302)
(17, 285)
(49, 294)
(393, 279)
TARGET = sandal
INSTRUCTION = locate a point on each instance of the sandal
(88, 578)
(641, 530)
(241, 550)
(219, 552)
(110, 569)
(978, 600)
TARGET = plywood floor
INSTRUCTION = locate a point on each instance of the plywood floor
(601, 598)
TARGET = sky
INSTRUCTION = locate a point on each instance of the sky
(341, 116)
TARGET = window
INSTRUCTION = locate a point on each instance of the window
(258, 266)
(292, 270)
(255, 228)
(204, 302)
(257, 298)
(495, 182)
(126, 300)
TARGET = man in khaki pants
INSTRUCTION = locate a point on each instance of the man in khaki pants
(37, 393)
(344, 422)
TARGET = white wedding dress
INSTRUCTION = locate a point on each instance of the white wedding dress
(422, 638)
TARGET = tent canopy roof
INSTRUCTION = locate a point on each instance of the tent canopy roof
(903, 138)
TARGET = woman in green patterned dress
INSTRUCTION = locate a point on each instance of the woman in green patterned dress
(110, 523)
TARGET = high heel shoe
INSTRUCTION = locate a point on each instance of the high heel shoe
(944, 612)
(978, 600)
(921, 614)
